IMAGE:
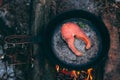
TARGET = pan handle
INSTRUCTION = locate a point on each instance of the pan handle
(22, 39)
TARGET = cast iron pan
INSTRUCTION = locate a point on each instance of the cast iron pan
(59, 53)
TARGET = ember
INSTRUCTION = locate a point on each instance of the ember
(63, 73)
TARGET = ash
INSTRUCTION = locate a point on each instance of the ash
(66, 55)
(14, 59)
(6, 72)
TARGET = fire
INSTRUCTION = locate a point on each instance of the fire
(57, 68)
(89, 71)
(75, 74)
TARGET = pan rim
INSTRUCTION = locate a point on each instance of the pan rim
(69, 14)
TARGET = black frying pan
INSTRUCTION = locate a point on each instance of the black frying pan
(59, 53)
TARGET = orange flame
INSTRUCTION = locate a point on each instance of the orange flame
(57, 68)
(90, 74)
(75, 74)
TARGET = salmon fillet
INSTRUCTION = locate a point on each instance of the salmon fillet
(69, 32)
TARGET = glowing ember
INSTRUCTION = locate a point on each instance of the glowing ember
(75, 75)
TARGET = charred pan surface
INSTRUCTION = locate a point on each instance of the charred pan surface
(69, 32)
(66, 55)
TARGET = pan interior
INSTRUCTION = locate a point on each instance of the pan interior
(64, 54)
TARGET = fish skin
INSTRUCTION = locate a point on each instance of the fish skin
(69, 32)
